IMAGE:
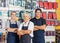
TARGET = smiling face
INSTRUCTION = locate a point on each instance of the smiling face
(37, 13)
(26, 17)
(13, 15)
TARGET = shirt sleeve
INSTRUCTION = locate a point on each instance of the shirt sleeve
(20, 27)
(31, 27)
(18, 23)
(7, 24)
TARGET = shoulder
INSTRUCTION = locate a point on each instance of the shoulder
(31, 23)
(32, 19)
(8, 21)
(20, 20)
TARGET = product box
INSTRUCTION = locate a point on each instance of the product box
(50, 5)
(50, 16)
(41, 4)
(46, 5)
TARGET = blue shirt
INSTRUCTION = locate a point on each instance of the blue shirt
(38, 22)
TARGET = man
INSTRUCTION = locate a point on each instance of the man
(39, 27)
(12, 27)
(26, 29)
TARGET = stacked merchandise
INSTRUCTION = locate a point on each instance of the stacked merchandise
(49, 14)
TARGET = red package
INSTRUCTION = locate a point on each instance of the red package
(45, 5)
(41, 15)
(55, 5)
(54, 15)
(48, 23)
(41, 4)
(50, 5)
(50, 16)
(44, 15)
(52, 23)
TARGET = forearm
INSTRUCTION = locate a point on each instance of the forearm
(35, 29)
(41, 27)
(25, 31)
(10, 30)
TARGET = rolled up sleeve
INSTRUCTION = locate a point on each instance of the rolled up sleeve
(31, 27)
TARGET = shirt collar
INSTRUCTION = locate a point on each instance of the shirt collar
(26, 22)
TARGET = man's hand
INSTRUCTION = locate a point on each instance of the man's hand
(42, 27)
(20, 33)
(11, 30)
(27, 31)
(35, 29)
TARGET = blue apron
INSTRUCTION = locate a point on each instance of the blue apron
(25, 38)
(38, 34)
(12, 37)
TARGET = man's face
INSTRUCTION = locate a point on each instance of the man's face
(13, 15)
(38, 13)
(26, 17)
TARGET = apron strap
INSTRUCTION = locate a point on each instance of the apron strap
(28, 24)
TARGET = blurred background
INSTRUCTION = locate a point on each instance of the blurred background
(50, 12)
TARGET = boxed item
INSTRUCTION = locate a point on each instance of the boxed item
(41, 4)
(50, 16)
(46, 5)
(50, 5)
(44, 15)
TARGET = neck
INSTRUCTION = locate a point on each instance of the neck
(26, 21)
(37, 17)
(13, 19)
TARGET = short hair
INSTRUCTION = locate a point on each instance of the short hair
(37, 10)
(13, 12)
(26, 14)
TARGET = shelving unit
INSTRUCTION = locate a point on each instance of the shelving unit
(29, 6)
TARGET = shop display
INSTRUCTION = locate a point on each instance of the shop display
(55, 5)
(21, 3)
(46, 5)
(50, 33)
(0, 36)
(0, 24)
(3, 3)
(30, 13)
(53, 23)
(58, 36)
(50, 16)
(54, 15)
(41, 4)
(44, 15)
(29, 6)
(9, 12)
(48, 23)
(20, 14)
(0, 13)
(50, 5)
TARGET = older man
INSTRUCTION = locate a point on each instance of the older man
(26, 29)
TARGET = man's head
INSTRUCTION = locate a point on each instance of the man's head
(38, 12)
(13, 14)
(26, 17)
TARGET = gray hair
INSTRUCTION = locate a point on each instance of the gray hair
(25, 13)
